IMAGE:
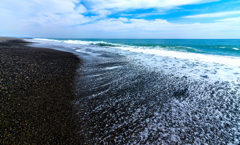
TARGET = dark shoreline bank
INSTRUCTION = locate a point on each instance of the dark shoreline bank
(36, 90)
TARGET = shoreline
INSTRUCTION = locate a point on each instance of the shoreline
(36, 89)
(120, 101)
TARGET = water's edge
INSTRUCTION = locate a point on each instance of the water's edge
(132, 97)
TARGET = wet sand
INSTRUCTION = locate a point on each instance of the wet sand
(36, 90)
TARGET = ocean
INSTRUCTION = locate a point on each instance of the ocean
(156, 91)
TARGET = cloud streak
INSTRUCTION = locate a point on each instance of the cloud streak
(122, 24)
(214, 15)
(141, 4)
(97, 6)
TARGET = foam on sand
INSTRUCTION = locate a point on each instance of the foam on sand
(150, 95)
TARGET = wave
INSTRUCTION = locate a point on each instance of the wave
(98, 43)
(44, 39)
(181, 52)
(212, 49)
(105, 44)
(136, 46)
(235, 48)
(185, 55)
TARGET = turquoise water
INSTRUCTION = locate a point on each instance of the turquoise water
(225, 47)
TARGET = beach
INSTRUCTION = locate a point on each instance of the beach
(95, 72)
(155, 91)
(121, 91)
(36, 89)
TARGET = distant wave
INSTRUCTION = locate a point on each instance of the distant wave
(105, 44)
(182, 52)
(235, 48)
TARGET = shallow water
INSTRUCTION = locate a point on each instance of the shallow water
(144, 96)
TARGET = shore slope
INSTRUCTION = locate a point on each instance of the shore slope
(36, 90)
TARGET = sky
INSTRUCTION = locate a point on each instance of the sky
(158, 19)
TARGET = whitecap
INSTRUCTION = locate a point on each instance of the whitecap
(114, 67)
(235, 48)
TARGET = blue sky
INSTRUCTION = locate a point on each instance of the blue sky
(120, 18)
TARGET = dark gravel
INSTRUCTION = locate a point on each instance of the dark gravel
(36, 90)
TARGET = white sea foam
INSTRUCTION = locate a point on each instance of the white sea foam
(114, 67)
(185, 55)
(42, 39)
(77, 42)
(161, 52)
(194, 65)
(235, 48)
(87, 42)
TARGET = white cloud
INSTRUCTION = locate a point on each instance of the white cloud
(121, 5)
(81, 9)
(66, 13)
(43, 12)
(140, 28)
(143, 15)
(39, 6)
(141, 4)
(214, 15)
(235, 19)
(55, 18)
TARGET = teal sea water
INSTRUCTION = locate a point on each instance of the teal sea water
(197, 58)
(226, 47)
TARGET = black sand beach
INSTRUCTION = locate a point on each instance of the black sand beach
(36, 89)
(116, 99)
